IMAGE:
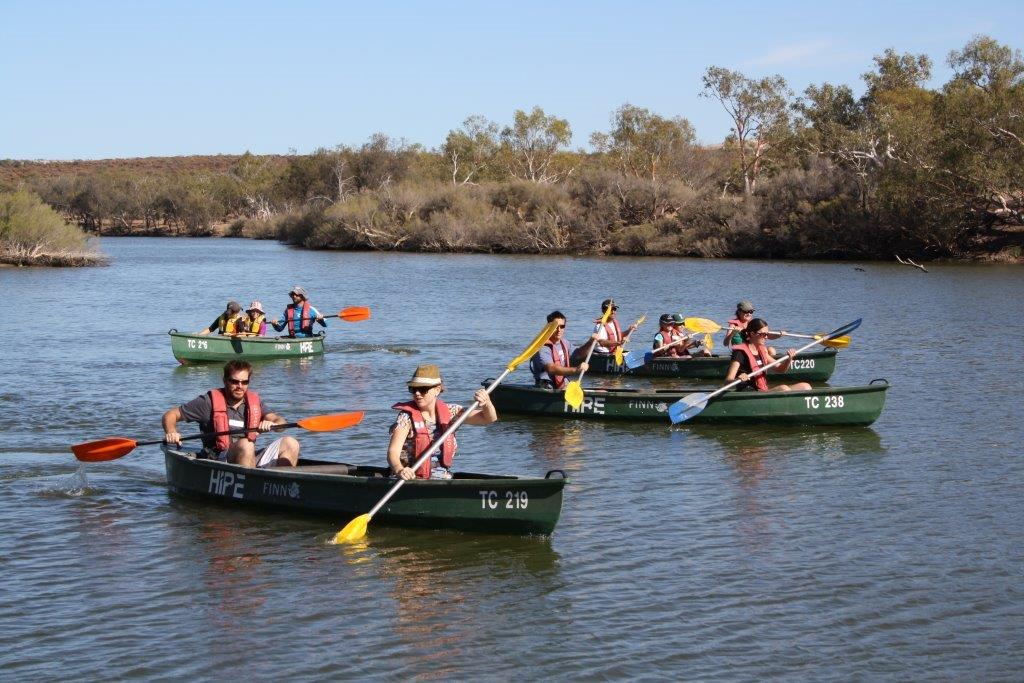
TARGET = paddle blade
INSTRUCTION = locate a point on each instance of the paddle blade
(619, 360)
(701, 325)
(574, 395)
(104, 449)
(353, 531)
(537, 342)
(709, 343)
(354, 314)
(837, 343)
(688, 406)
(635, 360)
(330, 423)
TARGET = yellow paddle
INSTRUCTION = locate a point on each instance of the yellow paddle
(356, 529)
(709, 326)
(574, 392)
(619, 358)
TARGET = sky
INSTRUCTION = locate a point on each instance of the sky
(97, 80)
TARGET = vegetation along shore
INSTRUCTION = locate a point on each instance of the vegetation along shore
(904, 169)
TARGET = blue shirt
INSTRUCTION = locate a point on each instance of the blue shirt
(283, 325)
(541, 359)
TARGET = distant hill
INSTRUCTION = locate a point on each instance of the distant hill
(14, 171)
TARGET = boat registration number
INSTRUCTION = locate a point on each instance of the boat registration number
(815, 402)
(591, 404)
(197, 343)
(802, 364)
(513, 500)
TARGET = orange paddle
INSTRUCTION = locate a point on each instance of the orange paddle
(114, 447)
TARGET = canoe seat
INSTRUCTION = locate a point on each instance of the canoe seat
(321, 469)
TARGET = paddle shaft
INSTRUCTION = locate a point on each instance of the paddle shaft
(668, 346)
(433, 448)
(236, 430)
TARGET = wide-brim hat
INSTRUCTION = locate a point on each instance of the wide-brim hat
(298, 290)
(426, 376)
(255, 306)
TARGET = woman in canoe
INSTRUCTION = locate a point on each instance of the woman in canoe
(424, 418)
(753, 354)
(255, 321)
(744, 314)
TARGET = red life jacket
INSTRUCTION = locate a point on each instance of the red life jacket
(559, 380)
(220, 416)
(761, 382)
(424, 437)
(304, 325)
(736, 323)
(667, 337)
(612, 330)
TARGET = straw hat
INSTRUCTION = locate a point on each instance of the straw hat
(426, 376)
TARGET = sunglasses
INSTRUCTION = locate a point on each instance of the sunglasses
(240, 382)
(420, 390)
(746, 313)
(561, 327)
(760, 334)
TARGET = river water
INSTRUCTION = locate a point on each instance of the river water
(889, 552)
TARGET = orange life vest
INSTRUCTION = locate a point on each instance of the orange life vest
(612, 331)
(761, 382)
(424, 437)
(220, 416)
(559, 380)
(304, 324)
(668, 336)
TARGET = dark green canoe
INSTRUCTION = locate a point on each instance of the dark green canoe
(822, 406)
(810, 366)
(215, 348)
(469, 502)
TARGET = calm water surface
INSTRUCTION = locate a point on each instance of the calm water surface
(705, 553)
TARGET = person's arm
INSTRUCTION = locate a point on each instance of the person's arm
(317, 317)
(776, 335)
(399, 433)
(485, 413)
(280, 323)
(784, 365)
(170, 422)
(269, 421)
(213, 326)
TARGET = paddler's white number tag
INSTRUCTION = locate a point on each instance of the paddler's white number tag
(814, 402)
(196, 343)
(803, 364)
(514, 500)
(305, 347)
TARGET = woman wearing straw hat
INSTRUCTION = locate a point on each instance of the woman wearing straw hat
(424, 418)
(256, 320)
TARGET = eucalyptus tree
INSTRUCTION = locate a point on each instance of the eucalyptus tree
(530, 146)
(469, 152)
(643, 144)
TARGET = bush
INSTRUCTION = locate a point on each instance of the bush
(33, 233)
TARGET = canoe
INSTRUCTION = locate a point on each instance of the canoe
(820, 406)
(215, 348)
(468, 502)
(813, 366)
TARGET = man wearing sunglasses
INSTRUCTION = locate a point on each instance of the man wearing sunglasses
(610, 334)
(299, 315)
(234, 406)
(554, 361)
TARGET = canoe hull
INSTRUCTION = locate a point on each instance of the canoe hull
(467, 502)
(195, 348)
(850, 406)
(816, 366)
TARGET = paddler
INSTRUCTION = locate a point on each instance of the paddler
(690, 346)
(255, 322)
(744, 314)
(234, 406)
(553, 362)
(668, 334)
(752, 354)
(422, 419)
(228, 322)
(610, 335)
(299, 315)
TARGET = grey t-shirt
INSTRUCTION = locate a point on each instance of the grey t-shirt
(200, 409)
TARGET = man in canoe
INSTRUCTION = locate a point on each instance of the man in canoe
(422, 419)
(299, 315)
(553, 362)
(234, 406)
(744, 314)
(255, 322)
(228, 322)
(610, 335)
(753, 354)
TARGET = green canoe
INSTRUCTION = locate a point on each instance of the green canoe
(215, 348)
(813, 366)
(824, 406)
(469, 502)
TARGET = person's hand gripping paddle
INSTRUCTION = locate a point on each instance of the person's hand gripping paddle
(574, 392)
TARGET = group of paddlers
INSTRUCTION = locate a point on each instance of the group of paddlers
(424, 417)
(298, 318)
(745, 336)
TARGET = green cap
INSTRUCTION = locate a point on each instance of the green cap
(678, 318)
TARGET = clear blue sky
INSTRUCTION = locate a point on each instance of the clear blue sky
(95, 79)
